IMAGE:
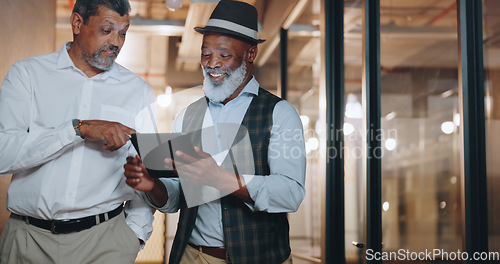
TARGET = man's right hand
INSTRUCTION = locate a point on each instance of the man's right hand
(139, 179)
(137, 175)
(114, 134)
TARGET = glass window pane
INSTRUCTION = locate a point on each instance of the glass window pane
(420, 133)
(353, 127)
(491, 37)
(304, 66)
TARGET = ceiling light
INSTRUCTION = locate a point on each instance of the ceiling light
(305, 120)
(456, 119)
(385, 206)
(353, 108)
(312, 144)
(390, 144)
(165, 99)
(447, 127)
(173, 5)
(453, 179)
(390, 116)
(348, 129)
(447, 93)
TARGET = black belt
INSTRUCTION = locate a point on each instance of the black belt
(216, 252)
(72, 225)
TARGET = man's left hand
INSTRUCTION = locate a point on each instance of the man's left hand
(203, 170)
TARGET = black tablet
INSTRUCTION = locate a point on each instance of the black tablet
(154, 148)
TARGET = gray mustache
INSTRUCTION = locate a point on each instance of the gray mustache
(217, 71)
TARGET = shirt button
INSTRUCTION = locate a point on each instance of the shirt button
(219, 163)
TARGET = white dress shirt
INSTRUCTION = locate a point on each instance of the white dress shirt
(57, 174)
(282, 191)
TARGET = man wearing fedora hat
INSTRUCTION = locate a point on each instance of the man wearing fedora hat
(250, 224)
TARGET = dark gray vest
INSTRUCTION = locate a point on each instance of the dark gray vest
(250, 237)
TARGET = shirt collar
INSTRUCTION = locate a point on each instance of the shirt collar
(114, 72)
(252, 87)
(64, 61)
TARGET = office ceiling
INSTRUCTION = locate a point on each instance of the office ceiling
(162, 47)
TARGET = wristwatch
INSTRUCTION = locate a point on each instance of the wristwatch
(77, 123)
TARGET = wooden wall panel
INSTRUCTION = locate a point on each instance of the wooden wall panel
(27, 28)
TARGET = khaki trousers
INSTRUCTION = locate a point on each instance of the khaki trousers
(193, 256)
(107, 243)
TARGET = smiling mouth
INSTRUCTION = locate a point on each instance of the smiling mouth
(216, 75)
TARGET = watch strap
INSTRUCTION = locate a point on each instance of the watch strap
(77, 123)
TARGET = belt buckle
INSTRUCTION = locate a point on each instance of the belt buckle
(54, 224)
(53, 227)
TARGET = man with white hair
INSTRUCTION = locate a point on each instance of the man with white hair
(249, 225)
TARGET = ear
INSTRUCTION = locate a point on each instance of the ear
(252, 54)
(76, 22)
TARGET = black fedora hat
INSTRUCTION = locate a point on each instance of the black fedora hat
(234, 18)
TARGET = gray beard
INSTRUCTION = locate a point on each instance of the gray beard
(218, 92)
(100, 63)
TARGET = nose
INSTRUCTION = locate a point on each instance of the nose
(213, 63)
(114, 40)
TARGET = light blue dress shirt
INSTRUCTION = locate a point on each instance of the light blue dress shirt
(283, 192)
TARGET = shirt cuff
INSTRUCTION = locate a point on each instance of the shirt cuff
(251, 187)
(172, 204)
(68, 134)
(139, 233)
